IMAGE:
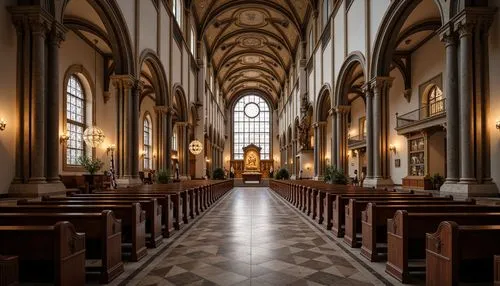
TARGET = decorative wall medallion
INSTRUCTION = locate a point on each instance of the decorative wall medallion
(251, 60)
(251, 18)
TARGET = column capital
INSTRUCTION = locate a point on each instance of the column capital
(58, 33)
(367, 89)
(181, 123)
(342, 109)
(123, 81)
(380, 82)
(447, 34)
(162, 109)
(471, 17)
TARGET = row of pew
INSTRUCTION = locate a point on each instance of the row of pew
(448, 241)
(79, 238)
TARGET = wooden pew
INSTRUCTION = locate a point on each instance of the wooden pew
(406, 237)
(164, 200)
(461, 254)
(354, 208)
(175, 196)
(102, 236)
(49, 254)
(374, 222)
(150, 205)
(337, 216)
(132, 216)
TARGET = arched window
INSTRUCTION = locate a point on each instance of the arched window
(326, 12)
(251, 122)
(435, 101)
(174, 140)
(75, 120)
(148, 143)
(177, 11)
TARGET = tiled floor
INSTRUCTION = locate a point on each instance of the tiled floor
(254, 238)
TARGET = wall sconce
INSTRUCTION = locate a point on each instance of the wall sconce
(143, 153)
(174, 157)
(207, 160)
(3, 124)
(111, 148)
(327, 159)
(392, 148)
(63, 139)
(349, 153)
(154, 155)
(497, 125)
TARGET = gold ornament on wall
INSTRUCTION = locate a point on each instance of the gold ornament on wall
(93, 136)
(195, 147)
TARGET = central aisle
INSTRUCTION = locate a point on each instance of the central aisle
(254, 238)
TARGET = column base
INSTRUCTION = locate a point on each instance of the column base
(184, 178)
(461, 191)
(378, 182)
(32, 190)
(292, 177)
(318, 178)
(125, 182)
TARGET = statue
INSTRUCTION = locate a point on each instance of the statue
(303, 132)
(251, 160)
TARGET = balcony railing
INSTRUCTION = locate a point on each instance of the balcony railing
(356, 139)
(427, 111)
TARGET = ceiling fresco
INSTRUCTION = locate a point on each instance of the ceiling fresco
(252, 43)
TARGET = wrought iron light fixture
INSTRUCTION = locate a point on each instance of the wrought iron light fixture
(3, 124)
(63, 139)
(93, 136)
(195, 147)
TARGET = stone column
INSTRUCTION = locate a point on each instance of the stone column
(322, 150)
(316, 149)
(38, 101)
(168, 141)
(369, 132)
(465, 94)
(22, 40)
(56, 36)
(451, 91)
(341, 119)
(135, 129)
(333, 159)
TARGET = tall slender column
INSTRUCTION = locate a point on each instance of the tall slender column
(168, 145)
(135, 129)
(333, 160)
(22, 39)
(369, 132)
(339, 135)
(465, 93)
(451, 91)
(38, 93)
(316, 149)
(56, 36)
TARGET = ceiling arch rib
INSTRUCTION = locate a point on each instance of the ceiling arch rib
(251, 44)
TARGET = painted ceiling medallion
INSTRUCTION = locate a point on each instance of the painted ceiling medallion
(251, 42)
(252, 74)
(251, 18)
(251, 60)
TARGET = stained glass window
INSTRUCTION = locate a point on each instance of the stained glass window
(75, 120)
(251, 118)
(148, 142)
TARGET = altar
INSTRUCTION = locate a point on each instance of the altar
(251, 159)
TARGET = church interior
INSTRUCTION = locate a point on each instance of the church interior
(237, 142)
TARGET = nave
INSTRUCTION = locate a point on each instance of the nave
(253, 237)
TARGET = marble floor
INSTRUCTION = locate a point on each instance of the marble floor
(252, 237)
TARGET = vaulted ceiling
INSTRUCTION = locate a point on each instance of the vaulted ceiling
(252, 44)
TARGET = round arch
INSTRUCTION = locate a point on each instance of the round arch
(180, 96)
(355, 58)
(148, 57)
(117, 31)
(386, 39)
(325, 96)
(88, 85)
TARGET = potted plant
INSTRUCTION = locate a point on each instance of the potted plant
(92, 166)
(333, 175)
(163, 177)
(218, 174)
(282, 174)
(437, 181)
